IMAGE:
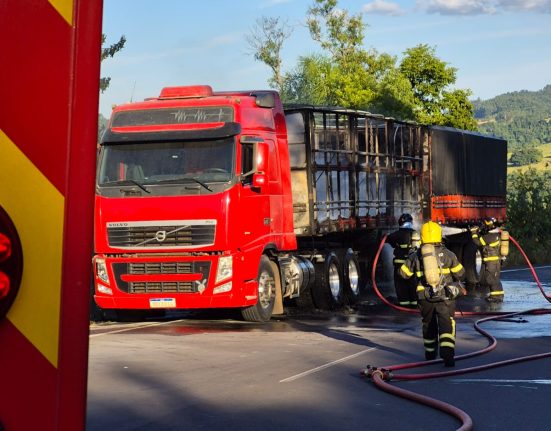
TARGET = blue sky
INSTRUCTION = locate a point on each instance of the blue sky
(498, 46)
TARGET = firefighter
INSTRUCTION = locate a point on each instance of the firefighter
(404, 241)
(438, 276)
(492, 244)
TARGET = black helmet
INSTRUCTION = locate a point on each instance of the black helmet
(405, 218)
(489, 223)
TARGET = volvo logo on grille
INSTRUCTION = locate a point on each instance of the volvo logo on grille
(160, 235)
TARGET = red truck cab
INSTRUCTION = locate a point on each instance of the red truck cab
(187, 204)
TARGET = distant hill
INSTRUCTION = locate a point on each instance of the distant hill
(521, 117)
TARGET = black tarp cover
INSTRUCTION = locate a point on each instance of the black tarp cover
(467, 163)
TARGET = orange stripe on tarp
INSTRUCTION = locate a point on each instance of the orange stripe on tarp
(28, 380)
(35, 84)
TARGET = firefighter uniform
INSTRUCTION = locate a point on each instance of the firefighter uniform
(489, 243)
(436, 302)
(401, 241)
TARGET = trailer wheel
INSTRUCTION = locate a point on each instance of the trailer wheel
(351, 276)
(262, 310)
(328, 292)
(472, 261)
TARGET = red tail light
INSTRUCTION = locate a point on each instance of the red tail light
(11, 262)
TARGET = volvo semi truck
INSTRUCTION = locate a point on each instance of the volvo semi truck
(211, 199)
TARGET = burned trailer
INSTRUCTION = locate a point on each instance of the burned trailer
(354, 173)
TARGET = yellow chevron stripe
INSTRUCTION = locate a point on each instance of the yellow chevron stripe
(37, 209)
(65, 9)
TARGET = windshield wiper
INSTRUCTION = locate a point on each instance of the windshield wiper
(188, 179)
(121, 182)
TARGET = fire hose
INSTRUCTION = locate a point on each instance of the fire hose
(380, 376)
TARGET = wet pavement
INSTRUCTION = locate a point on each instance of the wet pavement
(301, 371)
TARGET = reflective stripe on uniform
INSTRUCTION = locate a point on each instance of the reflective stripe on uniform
(399, 261)
(403, 245)
(457, 268)
(420, 288)
(429, 341)
(494, 244)
(447, 339)
(406, 270)
(490, 259)
(447, 336)
(497, 292)
(482, 241)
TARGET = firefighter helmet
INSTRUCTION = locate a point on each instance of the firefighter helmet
(489, 222)
(431, 232)
(405, 218)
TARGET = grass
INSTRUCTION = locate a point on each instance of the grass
(544, 165)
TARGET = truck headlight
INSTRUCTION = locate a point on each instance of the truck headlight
(104, 289)
(226, 287)
(101, 270)
(225, 268)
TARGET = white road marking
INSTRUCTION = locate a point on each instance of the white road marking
(322, 367)
(526, 269)
(503, 381)
(130, 328)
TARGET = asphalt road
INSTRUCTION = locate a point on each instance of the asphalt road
(211, 371)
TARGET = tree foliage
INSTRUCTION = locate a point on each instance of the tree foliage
(430, 79)
(521, 117)
(348, 75)
(265, 41)
(528, 209)
(109, 51)
(526, 155)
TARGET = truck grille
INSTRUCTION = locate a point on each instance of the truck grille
(159, 236)
(162, 268)
(162, 287)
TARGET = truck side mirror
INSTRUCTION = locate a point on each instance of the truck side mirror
(255, 160)
(261, 164)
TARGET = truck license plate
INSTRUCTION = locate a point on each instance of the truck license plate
(162, 303)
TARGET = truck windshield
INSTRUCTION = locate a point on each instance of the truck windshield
(198, 162)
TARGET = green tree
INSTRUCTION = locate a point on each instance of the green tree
(109, 51)
(348, 75)
(346, 64)
(266, 41)
(430, 79)
(526, 155)
(528, 209)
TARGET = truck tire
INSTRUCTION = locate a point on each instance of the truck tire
(472, 261)
(328, 290)
(351, 276)
(305, 299)
(262, 310)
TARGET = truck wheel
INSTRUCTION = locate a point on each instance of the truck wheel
(351, 276)
(328, 292)
(262, 310)
(472, 262)
(305, 271)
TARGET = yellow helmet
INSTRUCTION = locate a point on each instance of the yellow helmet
(431, 232)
